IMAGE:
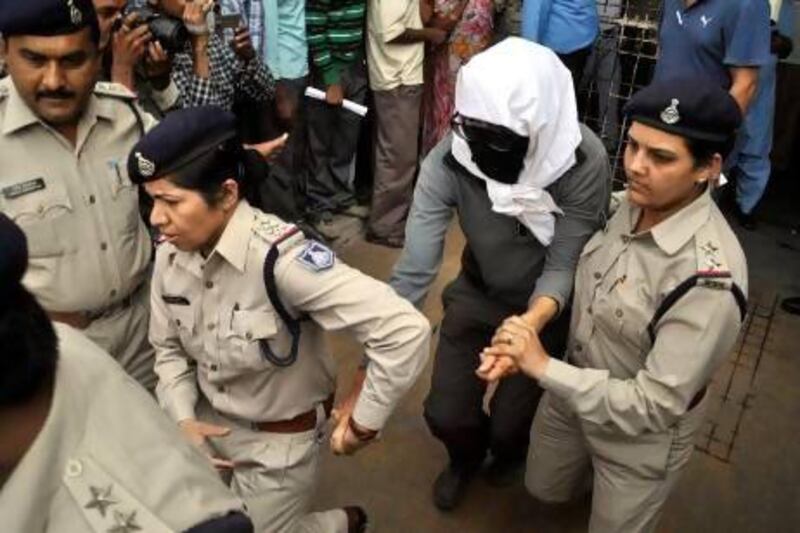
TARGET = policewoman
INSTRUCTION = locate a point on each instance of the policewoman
(659, 301)
(240, 304)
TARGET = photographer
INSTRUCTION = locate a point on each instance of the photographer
(206, 70)
(134, 57)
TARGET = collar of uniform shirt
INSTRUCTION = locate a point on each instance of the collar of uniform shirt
(673, 233)
(19, 115)
(232, 245)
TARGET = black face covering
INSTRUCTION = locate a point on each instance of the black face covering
(497, 151)
(504, 167)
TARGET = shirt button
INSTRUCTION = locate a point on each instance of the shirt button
(40, 209)
(113, 292)
(578, 347)
(248, 336)
(177, 321)
(619, 313)
(91, 199)
(74, 468)
(590, 310)
(211, 327)
(597, 275)
(209, 285)
(220, 389)
(103, 246)
(213, 368)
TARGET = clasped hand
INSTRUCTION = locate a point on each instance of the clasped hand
(515, 347)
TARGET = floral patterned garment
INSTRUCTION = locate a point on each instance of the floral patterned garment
(472, 34)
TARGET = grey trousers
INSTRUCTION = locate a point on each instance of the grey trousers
(275, 474)
(332, 142)
(633, 476)
(397, 113)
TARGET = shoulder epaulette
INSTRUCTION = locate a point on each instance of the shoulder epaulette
(712, 265)
(105, 503)
(114, 90)
(272, 230)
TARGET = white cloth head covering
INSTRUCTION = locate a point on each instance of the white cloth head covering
(523, 86)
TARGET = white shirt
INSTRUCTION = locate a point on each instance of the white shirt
(393, 64)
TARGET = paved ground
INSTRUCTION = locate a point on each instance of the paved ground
(745, 476)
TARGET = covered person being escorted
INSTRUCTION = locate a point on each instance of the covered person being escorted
(530, 185)
(240, 303)
(660, 296)
(83, 447)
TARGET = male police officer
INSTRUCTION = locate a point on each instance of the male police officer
(84, 448)
(63, 144)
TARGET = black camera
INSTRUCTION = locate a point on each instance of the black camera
(168, 31)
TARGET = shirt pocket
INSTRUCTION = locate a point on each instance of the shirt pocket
(252, 331)
(184, 320)
(47, 218)
(632, 314)
(124, 212)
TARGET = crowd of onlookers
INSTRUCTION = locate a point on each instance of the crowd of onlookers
(401, 59)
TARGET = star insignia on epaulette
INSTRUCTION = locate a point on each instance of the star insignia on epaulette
(709, 248)
(101, 500)
(124, 523)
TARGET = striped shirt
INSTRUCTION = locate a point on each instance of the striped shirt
(335, 30)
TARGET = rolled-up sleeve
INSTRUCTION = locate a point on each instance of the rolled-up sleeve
(692, 340)
(177, 380)
(395, 336)
(583, 196)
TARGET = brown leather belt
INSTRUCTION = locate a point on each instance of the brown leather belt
(83, 319)
(299, 424)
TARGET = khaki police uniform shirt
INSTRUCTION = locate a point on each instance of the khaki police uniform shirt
(615, 378)
(107, 459)
(87, 243)
(209, 315)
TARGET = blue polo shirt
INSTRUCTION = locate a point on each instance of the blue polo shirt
(712, 36)
(563, 26)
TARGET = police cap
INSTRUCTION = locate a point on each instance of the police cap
(48, 17)
(181, 138)
(694, 108)
(13, 255)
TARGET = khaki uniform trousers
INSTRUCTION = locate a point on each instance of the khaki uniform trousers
(123, 334)
(275, 474)
(633, 476)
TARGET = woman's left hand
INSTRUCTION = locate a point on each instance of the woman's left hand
(515, 345)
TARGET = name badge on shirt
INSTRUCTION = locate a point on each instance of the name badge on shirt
(23, 188)
(174, 300)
